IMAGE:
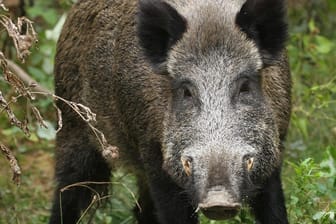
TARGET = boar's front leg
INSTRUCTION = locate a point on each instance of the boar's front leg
(144, 212)
(269, 204)
(172, 204)
(76, 161)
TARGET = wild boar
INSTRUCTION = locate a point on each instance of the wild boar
(196, 96)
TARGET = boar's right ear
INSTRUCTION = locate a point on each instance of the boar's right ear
(159, 27)
(264, 21)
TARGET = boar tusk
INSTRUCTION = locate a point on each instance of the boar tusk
(249, 163)
(186, 163)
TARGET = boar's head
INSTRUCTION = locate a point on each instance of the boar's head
(220, 140)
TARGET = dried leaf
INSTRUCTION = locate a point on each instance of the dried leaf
(86, 112)
(12, 118)
(110, 153)
(14, 165)
(22, 41)
(15, 81)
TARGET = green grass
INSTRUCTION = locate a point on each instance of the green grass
(309, 169)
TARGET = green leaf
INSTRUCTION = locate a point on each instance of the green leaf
(294, 199)
(36, 73)
(11, 131)
(22, 148)
(302, 124)
(332, 151)
(49, 15)
(54, 33)
(46, 133)
(318, 215)
(48, 66)
(33, 137)
(324, 45)
(311, 25)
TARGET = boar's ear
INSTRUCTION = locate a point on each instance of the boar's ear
(264, 21)
(159, 27)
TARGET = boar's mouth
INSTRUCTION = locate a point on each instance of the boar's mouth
(220, 212)
(218, 205)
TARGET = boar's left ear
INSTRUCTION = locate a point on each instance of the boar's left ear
(159, 27)
(264, 21)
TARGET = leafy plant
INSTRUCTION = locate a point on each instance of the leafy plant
(312, 197)
(311, 53)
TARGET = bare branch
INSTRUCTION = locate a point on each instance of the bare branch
(24, 36)
(108, 151)
(59, 118)
(12, 162)
(38, 117)
(25, 77)
(12, 118)
(86, 184)
(13, 79)
(2, 5)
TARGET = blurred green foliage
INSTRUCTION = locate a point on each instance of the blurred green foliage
(312, 197)
(312, 57)
(309, 170)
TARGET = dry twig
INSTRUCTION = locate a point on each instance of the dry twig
(108, 151)
(11, 116)
(2, 5)
(16, 69)
(22, 40)
(24, 36)
(12, 162)
(86, 184)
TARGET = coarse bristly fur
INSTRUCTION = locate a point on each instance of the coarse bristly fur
(196, 96)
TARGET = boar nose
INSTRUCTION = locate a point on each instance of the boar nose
(219, 205)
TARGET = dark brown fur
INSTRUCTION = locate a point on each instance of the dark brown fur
(99, 64)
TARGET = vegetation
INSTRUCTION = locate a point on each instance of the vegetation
(309, 169)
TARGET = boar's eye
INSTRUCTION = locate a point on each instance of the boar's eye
(185, 95)
(183, 90)
(248, 89)
(244, 90)
(245, 87)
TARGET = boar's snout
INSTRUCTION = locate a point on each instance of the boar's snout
(219, 205)
(218, 180)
